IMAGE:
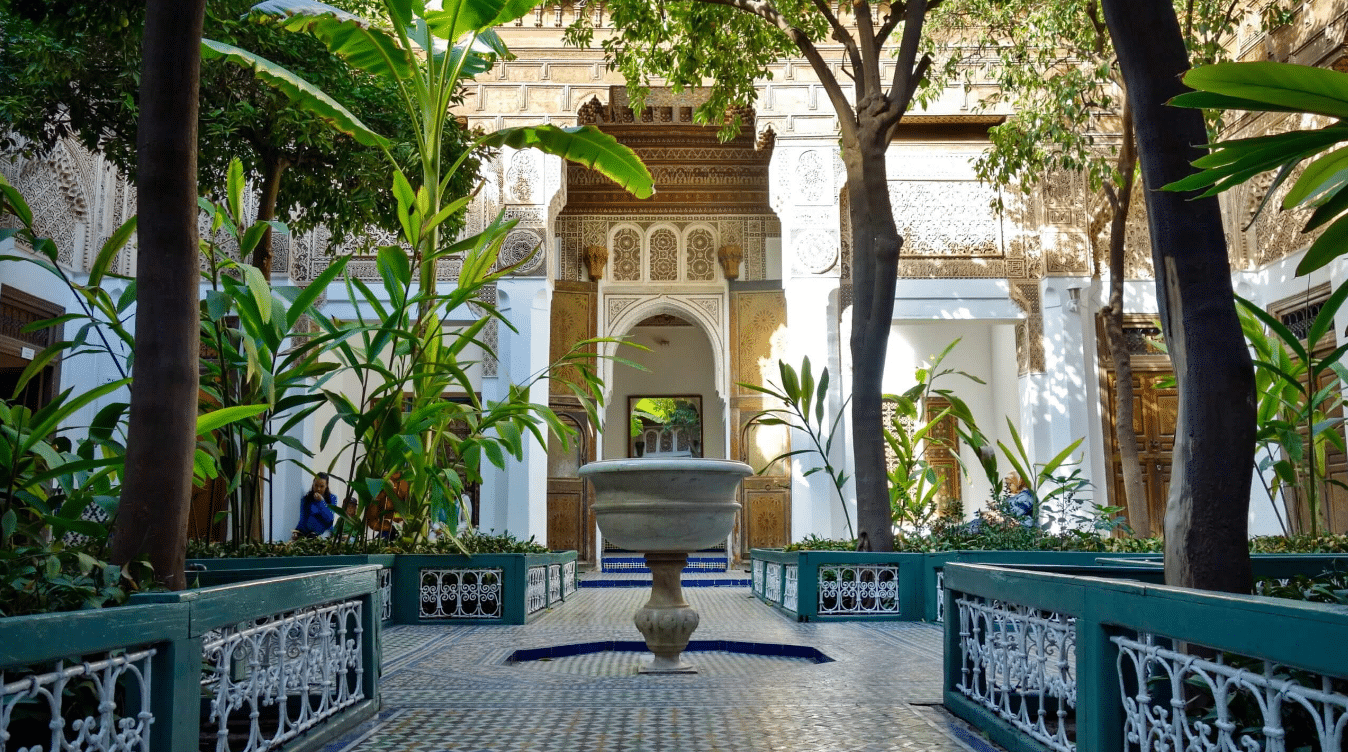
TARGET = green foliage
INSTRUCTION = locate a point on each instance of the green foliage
(468, 541)
(72, 69)
(263, 362)
(412, 448)
(1023, 538)
(814, 542)
(1279, 87)
(1327, 587)
(803, 410)
(914, 482)
(1300, 396)
(42, 578)
(1055, 68)
(697, 44)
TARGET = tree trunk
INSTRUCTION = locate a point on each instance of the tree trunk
(1206, 516)
(875, 263)
(161, 436)
(1134, 489)
(272, 169)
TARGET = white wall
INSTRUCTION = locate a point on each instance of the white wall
(983, 352)
(681, 366)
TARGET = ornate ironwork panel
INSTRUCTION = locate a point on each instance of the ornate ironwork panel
(116, 717)
(940, 596)
(554, 583)
(462, 593)
(1181, 701)
(569, 578)
(773, 583)
(858, 589)
(1020, 663)
(386, 594)
(536, 596)
(790, 591)
(294, 670)
(757, 570)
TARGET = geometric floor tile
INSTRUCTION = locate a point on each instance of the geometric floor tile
(451, 689)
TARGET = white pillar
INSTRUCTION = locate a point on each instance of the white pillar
(527, 304)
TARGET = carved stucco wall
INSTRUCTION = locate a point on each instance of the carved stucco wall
(77, 200)
(629, 238)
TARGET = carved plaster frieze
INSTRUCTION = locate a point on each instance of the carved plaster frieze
(525, 248)
(596, 256)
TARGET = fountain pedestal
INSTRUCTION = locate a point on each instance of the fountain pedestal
(666, 621)
(666, 508)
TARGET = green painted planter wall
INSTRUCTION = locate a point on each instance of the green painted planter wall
(176, 624)
(795, 589)
(1308, 636)
(482, 588)
(497, 586)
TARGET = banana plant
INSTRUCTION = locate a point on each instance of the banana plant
(426, 52)
(1038, 475)
(1266, 86)
(803, 410)
(265, 358)
(1300, 405)
(914, 483)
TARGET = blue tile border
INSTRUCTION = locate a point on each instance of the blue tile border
(720, 582)
(804, 652)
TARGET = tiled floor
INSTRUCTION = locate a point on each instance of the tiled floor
(449, 688)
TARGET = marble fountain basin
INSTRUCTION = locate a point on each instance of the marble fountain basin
(666, 505)
(666, 508)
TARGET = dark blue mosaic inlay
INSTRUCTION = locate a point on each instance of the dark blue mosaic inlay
(804, 652)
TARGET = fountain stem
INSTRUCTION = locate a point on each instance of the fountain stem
(666, 621)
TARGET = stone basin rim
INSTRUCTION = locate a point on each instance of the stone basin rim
(665, 505)
(695, 464)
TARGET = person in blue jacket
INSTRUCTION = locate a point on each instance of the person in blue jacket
(316, 509)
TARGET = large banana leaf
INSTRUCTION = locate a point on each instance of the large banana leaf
(1279, 87)
(349, 37)
(1270, 87)
(584, 144)
(305, 95)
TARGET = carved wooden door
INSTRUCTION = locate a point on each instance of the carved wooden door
(758, 329)
(1155, 414)
(567, 500)
(570, 520)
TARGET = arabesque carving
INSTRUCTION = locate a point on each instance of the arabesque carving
(730, 257)
(596, 257)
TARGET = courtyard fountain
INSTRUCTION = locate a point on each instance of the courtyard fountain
(665, 509)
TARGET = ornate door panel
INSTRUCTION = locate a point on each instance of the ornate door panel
(758, 331)
(569, 517)
(1155, 414)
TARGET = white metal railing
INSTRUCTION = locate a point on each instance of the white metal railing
(40, 711)
(772, 583)
(536, 594)
(386, 593)
(1182, 701)
(858, 589)
(1019, 662)
(554, 583)
(940, 596)
(790, 589)
(462, 593)
(284, 674)
(757, 570)
(569, 577)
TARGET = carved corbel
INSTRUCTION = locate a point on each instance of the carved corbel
(596, 257)
(730, 257)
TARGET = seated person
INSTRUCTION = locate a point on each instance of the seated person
(316, 509)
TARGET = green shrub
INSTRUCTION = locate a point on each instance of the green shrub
(469, 542)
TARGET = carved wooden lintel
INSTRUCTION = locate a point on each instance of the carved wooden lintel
(596, 257)
(730, 257)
